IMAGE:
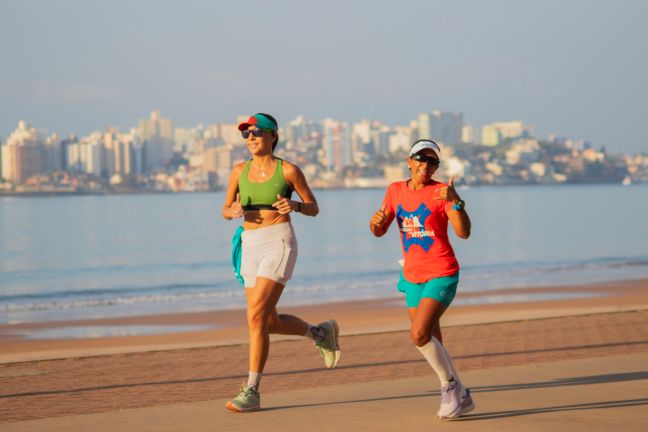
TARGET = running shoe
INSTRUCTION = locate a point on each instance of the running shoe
(466, 404)
(247, 400)
(329, 346)
(450, 401)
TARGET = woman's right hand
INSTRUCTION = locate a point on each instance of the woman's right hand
(379, 218)
(236, 210)
(379, 222)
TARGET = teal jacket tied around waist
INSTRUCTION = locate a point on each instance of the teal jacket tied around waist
(237, 248)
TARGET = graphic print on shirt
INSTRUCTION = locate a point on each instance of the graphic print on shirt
(412, 225)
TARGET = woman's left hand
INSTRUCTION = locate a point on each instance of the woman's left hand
(448, 193)
(284, 205)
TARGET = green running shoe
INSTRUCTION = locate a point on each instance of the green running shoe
(247, 400)
(329, 346)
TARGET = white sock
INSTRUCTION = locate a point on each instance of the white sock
(314, 332)
(454, 372)
(435, 355)
(254, 378)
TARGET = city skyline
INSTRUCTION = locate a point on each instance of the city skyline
(447, 128)
(570, 69)
(157, 156)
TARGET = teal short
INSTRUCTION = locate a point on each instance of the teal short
(442, 289)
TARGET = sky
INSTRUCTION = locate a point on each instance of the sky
(574, 68)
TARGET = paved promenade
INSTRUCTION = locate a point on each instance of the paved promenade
(581, 366)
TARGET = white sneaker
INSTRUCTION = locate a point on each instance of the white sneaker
(467, 403)
(450, 401)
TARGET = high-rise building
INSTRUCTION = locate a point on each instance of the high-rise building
(87, 155)
(402, 139)
(362, 148)
(490, 135)
(299, 132)
(71, 140)
(110, 142)
(185, 138)
(157, 138)
(380, 138)
(52, 154)
(443, 127)
(20, 162)
(337, 145)
(73, 156)
(22, 154)
(294, 131)
(451, 125)
(218, 161)
(468, 134)
(493, 134)
(124, 154)
(94, 157)
(426, 126)
(138, 152)
(514, 129)
(230, 134)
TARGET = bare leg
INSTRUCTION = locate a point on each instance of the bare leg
(262, 300)
(425, 321)
(436, 331)
(264, 320)
(286, 324)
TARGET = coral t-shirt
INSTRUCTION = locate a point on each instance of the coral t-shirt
(423, 225)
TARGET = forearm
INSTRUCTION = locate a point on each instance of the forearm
(309, 208)
(461, 223)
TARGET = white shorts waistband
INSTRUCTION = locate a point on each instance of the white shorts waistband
(282, 231)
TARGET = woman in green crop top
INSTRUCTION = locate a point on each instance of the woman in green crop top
(260, 192)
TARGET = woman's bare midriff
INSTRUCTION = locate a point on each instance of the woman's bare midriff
(255, 219)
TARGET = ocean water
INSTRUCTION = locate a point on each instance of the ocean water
(120, 255)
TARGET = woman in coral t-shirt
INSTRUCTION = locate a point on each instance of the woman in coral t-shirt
(422, 208)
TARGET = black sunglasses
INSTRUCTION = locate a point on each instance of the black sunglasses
(423, 158)
(256, 132)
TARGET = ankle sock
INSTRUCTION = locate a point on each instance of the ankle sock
(254, 378)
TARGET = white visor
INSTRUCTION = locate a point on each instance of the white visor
(425, 144)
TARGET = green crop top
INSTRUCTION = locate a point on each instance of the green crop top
(261, 196)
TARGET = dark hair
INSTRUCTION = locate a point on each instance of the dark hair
(273, 120)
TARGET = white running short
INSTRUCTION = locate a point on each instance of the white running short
(269, 252)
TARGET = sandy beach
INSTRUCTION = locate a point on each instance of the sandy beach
(75, 380)
(359, 317)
